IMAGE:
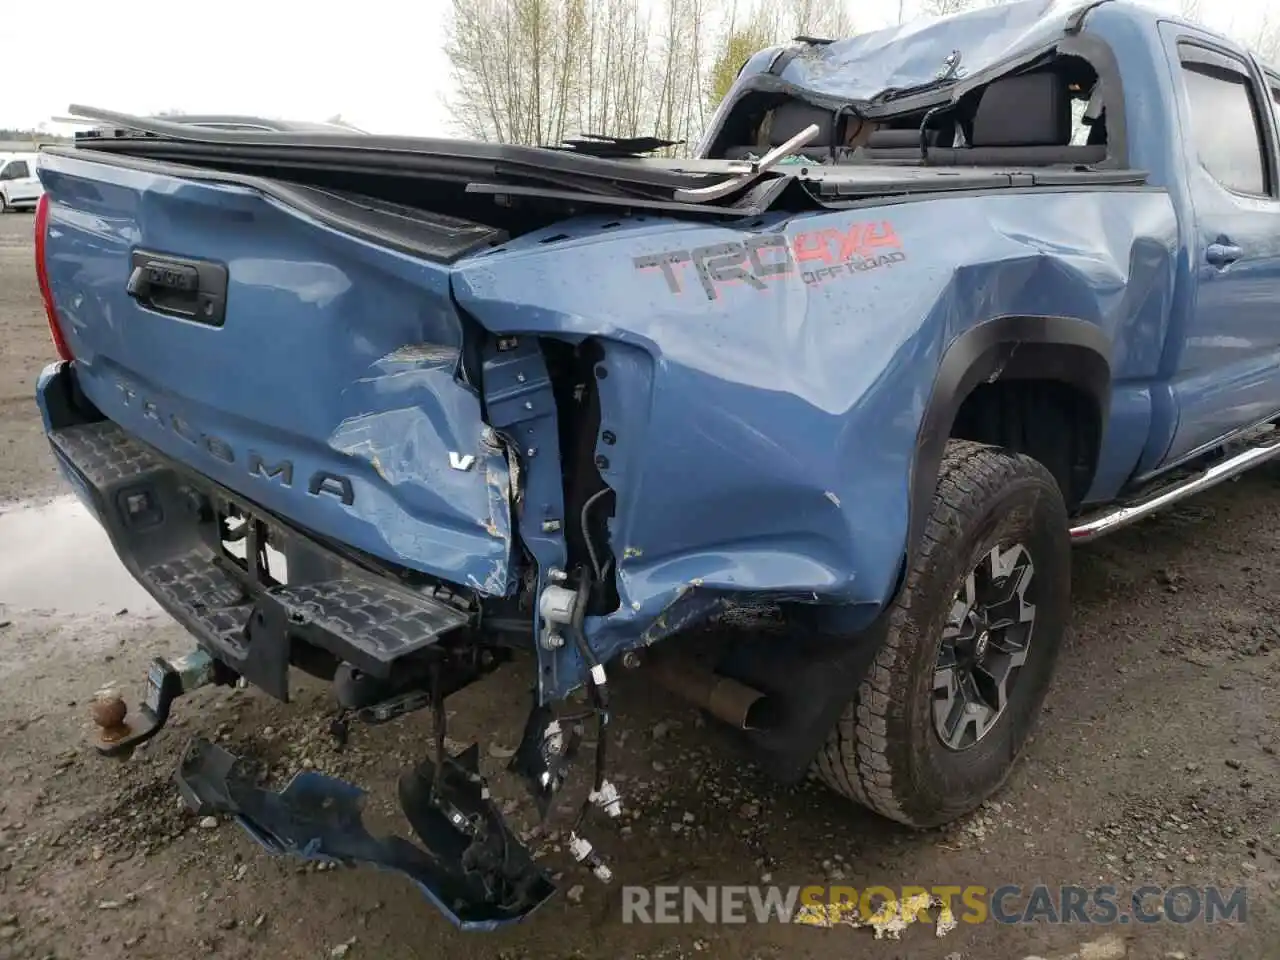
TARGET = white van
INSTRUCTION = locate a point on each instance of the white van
(19, 185)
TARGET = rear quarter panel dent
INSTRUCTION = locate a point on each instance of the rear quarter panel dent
(766, 446)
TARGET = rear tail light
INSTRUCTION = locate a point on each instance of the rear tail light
(42, 277)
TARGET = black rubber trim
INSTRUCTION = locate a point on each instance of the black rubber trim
(1192, 52)
(270, 159)
(408, 230)
(1064, 349)
(1075, 23)
(232, 121)
(448, 238)
(783, 59)
(1102, 58)
(470, 159)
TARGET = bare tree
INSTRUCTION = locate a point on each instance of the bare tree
(695, 76)
(762, 24)
(612, 60)
(482, 106)
(943, 8)
(1190, 9)
(815, 18)
(673, 64)
(566, 90)
(537, 71)
(516, 67)
(1266, 42)
(740, 42)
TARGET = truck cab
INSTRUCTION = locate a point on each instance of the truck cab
(1220, 357)
(1197, 115)
(19, 185)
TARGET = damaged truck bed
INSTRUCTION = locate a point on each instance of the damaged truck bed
(928, 306)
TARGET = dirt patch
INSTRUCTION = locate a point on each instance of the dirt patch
(1155, 764)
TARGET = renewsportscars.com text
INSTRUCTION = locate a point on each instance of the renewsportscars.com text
(1011, 904)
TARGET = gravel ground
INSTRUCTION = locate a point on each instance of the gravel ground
(1154, 764)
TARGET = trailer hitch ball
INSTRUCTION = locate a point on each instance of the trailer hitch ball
(166, 681)
(108, 711)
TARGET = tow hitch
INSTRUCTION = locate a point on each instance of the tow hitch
(166, 681)
(465, 860)
(470, 864)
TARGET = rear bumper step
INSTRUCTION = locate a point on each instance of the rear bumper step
(167, 525)
(164, 523)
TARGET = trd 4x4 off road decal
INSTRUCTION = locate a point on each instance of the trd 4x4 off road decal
(817, 256)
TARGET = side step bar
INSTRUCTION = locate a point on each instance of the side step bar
(1113, 518)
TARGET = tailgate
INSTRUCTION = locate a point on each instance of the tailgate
(314, 373)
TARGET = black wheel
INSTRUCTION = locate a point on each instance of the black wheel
(970, 643)
(4, 207)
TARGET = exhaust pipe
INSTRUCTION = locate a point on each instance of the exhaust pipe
(725, 699)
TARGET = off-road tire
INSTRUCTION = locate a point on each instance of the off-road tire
(884, 751)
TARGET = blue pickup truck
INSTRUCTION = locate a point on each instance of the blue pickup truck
(928, 306)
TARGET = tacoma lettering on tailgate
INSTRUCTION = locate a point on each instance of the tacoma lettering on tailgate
(280, 471)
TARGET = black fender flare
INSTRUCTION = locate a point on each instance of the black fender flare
(1066, 349)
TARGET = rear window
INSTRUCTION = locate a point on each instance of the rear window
(1225, 127)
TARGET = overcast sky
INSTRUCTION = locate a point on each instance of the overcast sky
(376, 62)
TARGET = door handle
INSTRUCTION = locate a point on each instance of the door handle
(179, 286)
(1223, 254)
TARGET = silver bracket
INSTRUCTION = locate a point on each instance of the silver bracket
(557, 606)
(759, 167)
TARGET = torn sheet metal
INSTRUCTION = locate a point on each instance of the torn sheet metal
(760, 442)
(925, 50)
(424, 439)
(473, 869)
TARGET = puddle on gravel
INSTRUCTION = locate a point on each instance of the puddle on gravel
(54, 556)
